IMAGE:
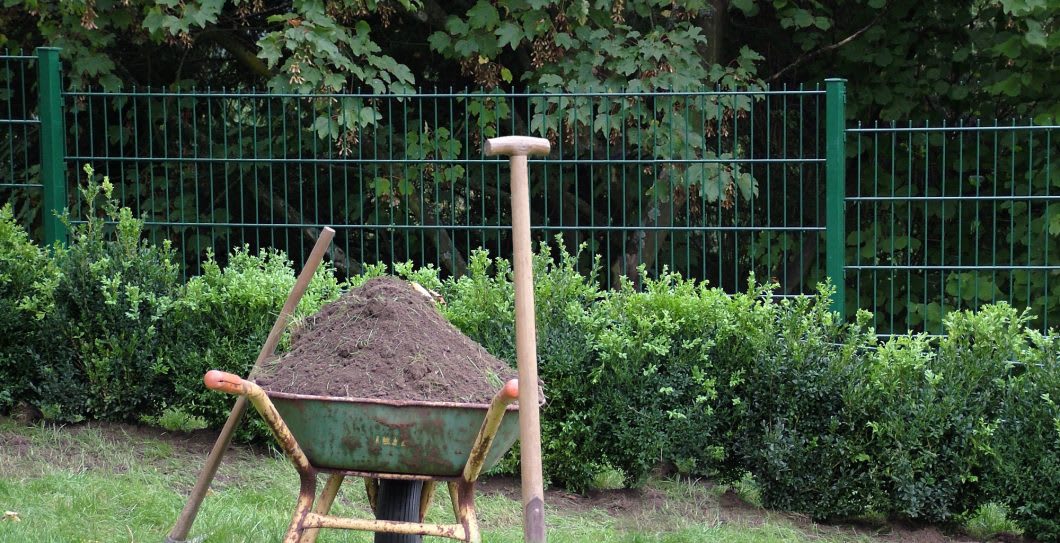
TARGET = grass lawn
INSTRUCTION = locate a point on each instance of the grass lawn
(109, 483)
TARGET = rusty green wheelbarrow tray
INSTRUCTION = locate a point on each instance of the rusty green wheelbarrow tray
(383, 442)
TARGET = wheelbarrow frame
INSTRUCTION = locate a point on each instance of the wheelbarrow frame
(312, 512)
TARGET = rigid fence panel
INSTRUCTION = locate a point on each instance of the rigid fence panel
(947, 218)
(20, 140)
(715, 185)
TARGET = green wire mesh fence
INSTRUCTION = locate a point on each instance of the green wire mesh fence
(911, 221)
(945, 218)
(19, 140)
(711, 184)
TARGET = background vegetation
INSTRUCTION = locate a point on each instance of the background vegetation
(952, 62)
(677, 376)
(654, 371)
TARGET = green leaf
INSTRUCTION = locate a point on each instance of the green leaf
(1054, 225)
(402, 73)
(456, 26)
(565, 40)
(368, 115)
(747, 184)
(382, 186)
(269, 50)
(466, 48)
(153, 21)
(509, 34)
(335, 81)
(550, 80)
(1035, 33)
(802, 18)
(748, 7)
(506, 75)
(325, 127)
(1011, 47)
(483, 15)
(439, 41)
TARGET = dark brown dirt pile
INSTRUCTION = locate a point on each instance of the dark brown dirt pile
(384, 340)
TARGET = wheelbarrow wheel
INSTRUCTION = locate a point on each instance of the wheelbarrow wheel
(398, 500)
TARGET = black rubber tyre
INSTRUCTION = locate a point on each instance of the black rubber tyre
(398, 500)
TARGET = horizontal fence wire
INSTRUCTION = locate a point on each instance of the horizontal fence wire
(947, 218)
(714, 185)
(19, 140)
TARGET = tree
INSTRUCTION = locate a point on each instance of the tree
(940, 61)
(312, 47)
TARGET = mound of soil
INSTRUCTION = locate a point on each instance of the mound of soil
(385, 340)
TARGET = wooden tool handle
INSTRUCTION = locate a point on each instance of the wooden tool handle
(198, 492)
(518, 148)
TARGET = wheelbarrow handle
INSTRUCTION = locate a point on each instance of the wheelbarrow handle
(510, 391)
(234, 384)
(484, 440)
(224, 382)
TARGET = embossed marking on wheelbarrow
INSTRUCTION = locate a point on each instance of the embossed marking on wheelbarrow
(421, 438)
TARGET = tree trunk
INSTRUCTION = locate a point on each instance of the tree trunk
(644, 246)
(714, 26)
(448, 255)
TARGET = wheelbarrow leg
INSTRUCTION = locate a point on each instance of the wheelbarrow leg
(426, 495)
(296, 531)
(233, 384)
(324, 502)
(462, 494)
(371, 489)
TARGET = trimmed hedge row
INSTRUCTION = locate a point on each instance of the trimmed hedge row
(105, 328)
(828, 420)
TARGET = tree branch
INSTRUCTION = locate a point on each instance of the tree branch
(235, 46)
(814, 54)
(339, 258)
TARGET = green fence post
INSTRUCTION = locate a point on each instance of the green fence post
(835, 204)
(52, 172)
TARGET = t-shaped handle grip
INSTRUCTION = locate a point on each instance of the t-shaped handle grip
(517, 146)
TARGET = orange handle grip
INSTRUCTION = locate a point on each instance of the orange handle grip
(511, 390)
(224, 382)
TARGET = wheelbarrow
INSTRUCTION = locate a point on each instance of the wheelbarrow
(399, 448)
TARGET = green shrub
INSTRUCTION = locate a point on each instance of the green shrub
(27, 281)
(1026, 439)
(740, 327)
(112, 304)
(796, 426)
(654, 379)
(933, 411)
(481, 304)
(224, 318)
